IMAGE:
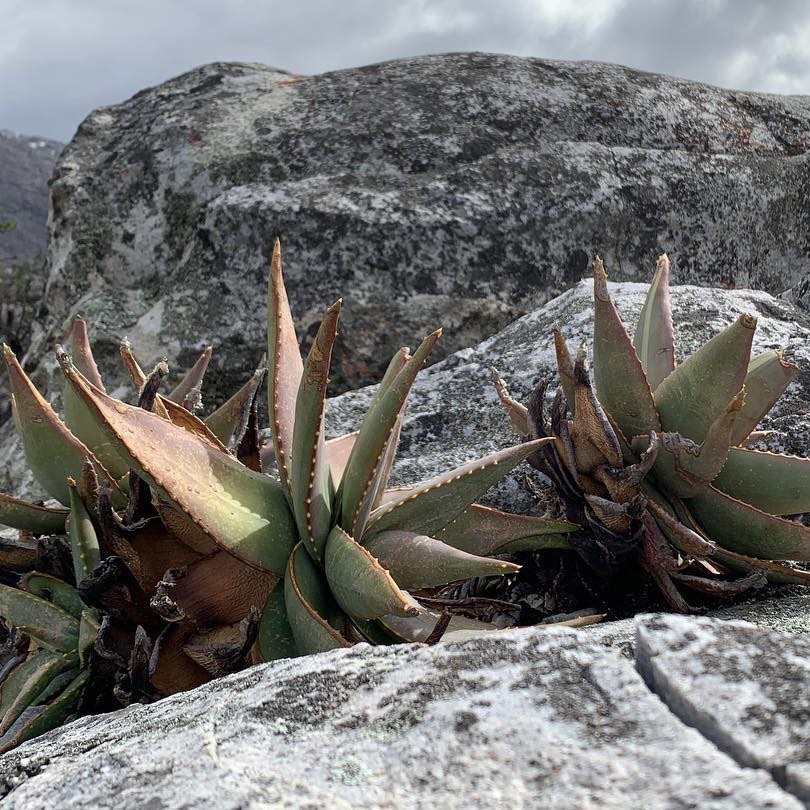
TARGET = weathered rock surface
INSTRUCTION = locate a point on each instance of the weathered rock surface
(523, 719)
(26, 164)
(462, 189)
(744, 688)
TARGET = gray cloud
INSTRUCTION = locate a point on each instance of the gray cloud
(59, 59)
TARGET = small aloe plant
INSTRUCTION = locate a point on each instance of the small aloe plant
(654, 462)
(196, 551)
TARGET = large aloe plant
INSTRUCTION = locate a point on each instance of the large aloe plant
(202, 560)
(654, 461)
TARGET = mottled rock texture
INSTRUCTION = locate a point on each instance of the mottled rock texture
(460, 189)
(744, 688)
(521, 719)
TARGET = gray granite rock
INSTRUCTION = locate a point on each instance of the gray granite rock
(745, 688)
(461, 188)
(522, 719)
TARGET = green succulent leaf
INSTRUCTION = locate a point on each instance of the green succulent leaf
(30, 517)
(698, 391)
(621, 383)
(374, 435)
(310, 482)
(780, 573)
(742, 528)
(436, 502)
(83, 541)
(243, 511)
(361, 586)
(53, 453)
(338, 451)
(654, 339)
(767, 379)
(565, 368)
(60, 593)
(482, 530)
(416, 561)
(88, 633)
(44, 718)
(77, 418)
(275, 637)
(193, 377)
(768, 481)
(34, 675)
(284, 368)
(230, 418)
(46, 623)
(309, 605)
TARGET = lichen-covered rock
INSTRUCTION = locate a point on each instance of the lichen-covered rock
(464, 189)
(531, 718)
(744, 688)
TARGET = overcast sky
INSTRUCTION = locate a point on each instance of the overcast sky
(59, 59)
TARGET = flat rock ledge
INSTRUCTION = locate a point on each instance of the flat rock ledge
(712, 714)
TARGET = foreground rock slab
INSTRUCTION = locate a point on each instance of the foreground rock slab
(519, 719)
(743, 687)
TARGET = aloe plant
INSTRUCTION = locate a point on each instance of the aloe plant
(197, 551)
(654, 462)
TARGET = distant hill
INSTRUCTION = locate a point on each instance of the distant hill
(26, 164)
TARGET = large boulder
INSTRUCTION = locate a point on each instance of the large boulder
(520, 719)
(462, 189)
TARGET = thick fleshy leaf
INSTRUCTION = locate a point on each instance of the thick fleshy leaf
(621, 384)
(229, 420)
(88, 633)
(193, 377)
(82, 353)
(171, 669)
(275, 638)
(338, 451)
(565, 368)
(683, 468)
(418, 628)
(309, 606)
(435, 503)
(518, 413)
(310, 484)
(284, 367)
(360, 585)
(221, 590)
(698, 391)
(654, 339)
(52, 451)
(768, 481)
(46, 623)
(138, 376)
(243, 511)
(767, 378)
(77, 417)
(374, 435)
(15, 678)
(416, 561)
(746, 530)
(483, 530)
(30, 517)
(61, 593)
(40, 670)
(83, 540)
(39, 719)
(781, 573)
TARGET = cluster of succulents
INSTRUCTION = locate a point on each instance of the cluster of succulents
(183, 549)
(654, 464)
